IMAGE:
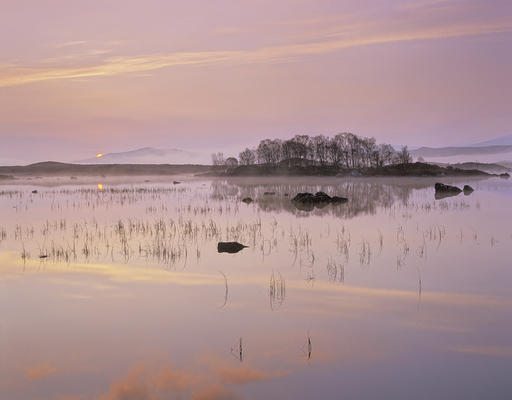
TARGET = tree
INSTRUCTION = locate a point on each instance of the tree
(404, 157)
(218, 159)
(320, 149)
(386, 154)
(231, 162)
(302, 147)
(269, 151)
(247, 157)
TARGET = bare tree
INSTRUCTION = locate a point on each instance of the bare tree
(247, 157)
(386, 154)
(218, 159)
(269, 151)
(320, 146)
(345, 150)
(404, 157)
(231, 162)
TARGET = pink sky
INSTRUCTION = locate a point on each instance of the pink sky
(81, 77)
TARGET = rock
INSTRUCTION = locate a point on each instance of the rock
(467, 190)
(176, 182)
(247, 200)
(269, 193)
(34, 191)
(308, 201)
(230, 247)
(443, 191)
(322, 197)
(286, 195)
(338, 200)
(505, 175)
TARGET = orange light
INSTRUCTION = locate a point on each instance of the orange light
(99, 155)
(100, 186)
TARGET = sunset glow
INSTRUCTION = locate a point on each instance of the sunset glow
(216, 76)
(294, 199)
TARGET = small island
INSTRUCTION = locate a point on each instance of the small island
(345, 154)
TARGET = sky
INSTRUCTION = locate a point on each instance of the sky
(84, 77)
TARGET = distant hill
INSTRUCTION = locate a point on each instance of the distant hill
(501, 141)
(52, 168)
(490, 168)
(460, 151)
(149, 155)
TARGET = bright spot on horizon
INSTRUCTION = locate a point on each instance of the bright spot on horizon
(100, 186)
(99, 155)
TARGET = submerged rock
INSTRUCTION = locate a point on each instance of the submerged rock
(443, 191)
(506, 175)
(230, 247)
(467, 190)
(269, 193)
(176, 182)
(34, 191)
(308, 201)
(247, 200)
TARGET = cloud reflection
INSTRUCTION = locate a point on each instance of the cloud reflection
(153, 381)
(39, 371)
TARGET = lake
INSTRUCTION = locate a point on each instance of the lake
(116, 290)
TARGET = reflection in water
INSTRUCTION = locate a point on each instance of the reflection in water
(238, 351)
(277, 291)
(364, 197)
(132, 271)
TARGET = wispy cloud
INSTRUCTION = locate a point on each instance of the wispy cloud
(490, 351)
(71, 43)
(110, 66)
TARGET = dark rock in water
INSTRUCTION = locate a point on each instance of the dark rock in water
(505, 175)
(443, 191)
(308, 201)
(34, 191)
(43, 256)
(269, 193)
(176, 182)
(247, 200)
(322, 197)
(467, 190)
(338, 200)
(441, 187)
(286, 195)
(230, 247)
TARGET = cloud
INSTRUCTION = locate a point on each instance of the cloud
(241, 374)
(39, 371)
(491, 351)
(151, 381)
(317, 45)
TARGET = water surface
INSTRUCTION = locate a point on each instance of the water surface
(112, 290)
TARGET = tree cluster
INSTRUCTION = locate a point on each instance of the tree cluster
(345, 150)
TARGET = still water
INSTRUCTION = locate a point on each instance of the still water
(116, 291)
